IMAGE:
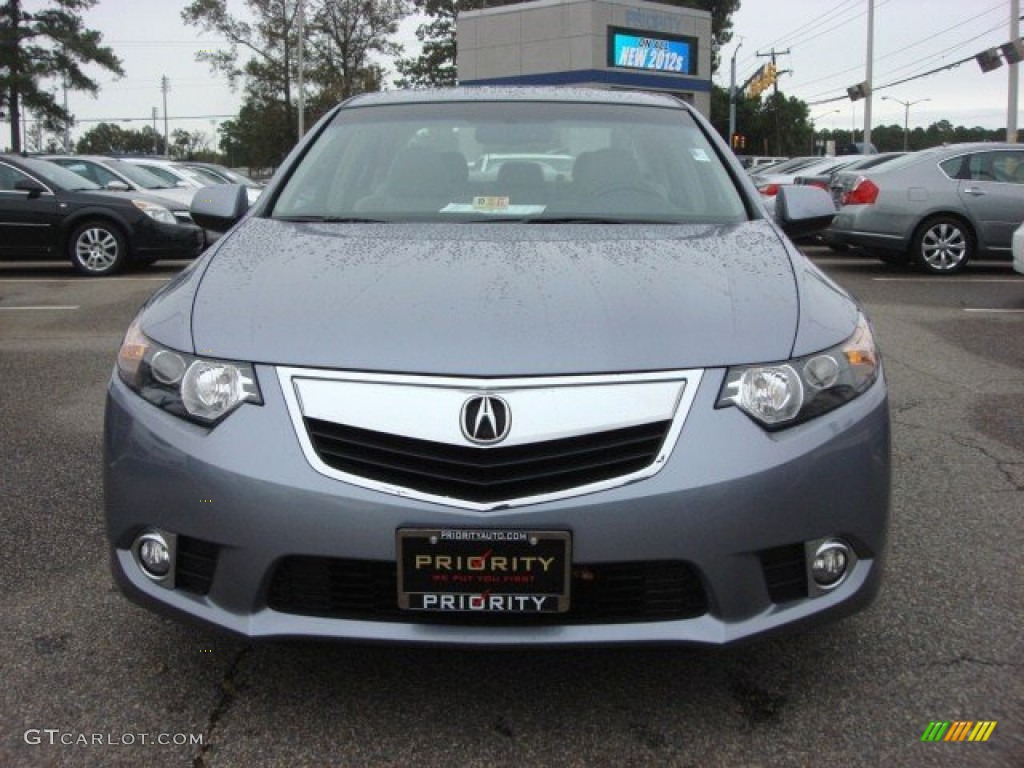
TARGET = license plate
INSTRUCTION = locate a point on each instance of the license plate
(483, 570)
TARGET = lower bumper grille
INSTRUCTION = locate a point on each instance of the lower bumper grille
(195, 565)
(486, 475)
(605, 593)
(785, 572)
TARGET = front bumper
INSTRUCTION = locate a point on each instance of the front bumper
(729, 492)
(154, 240)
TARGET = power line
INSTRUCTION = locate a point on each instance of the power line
(147, 118)
(916, 76)
(928, 40)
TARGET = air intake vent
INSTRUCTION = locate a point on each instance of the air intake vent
(486, 475)
(600, 594)
(785, 572)
(195, 565)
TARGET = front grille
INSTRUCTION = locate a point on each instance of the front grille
(606, 593)
(194, 565)
(486, 475)
(785, 572)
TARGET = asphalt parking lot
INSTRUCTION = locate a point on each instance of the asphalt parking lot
(91, 680)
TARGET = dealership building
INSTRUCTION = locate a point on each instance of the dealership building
(603, 43)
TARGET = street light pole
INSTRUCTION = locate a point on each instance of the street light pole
(732, 95)
(906, 114)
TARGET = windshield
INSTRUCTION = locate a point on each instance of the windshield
(208, 177)
(139, 176)
(57, 176)
(536, 161)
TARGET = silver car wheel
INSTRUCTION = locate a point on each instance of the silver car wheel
(97, 248)
(943, 246)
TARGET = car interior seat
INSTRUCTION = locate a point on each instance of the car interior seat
(418, 180)
(522, 182)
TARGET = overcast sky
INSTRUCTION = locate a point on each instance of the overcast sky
(826, 40)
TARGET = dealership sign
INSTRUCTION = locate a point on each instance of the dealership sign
(633, 49)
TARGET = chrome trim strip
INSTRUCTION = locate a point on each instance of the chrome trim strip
(648, 397)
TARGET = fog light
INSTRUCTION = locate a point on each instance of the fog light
(830, 564)
(154, 555)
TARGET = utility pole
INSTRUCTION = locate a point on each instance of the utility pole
(867, 96)
(1012, 75)
(775, 90)
(165, 86)
(156, 146)
(732, 94)
(773, 53)
(301, 51)
(67, 120)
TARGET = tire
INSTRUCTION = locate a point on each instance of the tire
(943, 245)
(97, 248)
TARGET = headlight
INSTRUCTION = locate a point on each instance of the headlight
(156, 212)
(194, 388)
(783, 394)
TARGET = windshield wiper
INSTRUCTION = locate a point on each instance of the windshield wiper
(330, 219)
(591, 220)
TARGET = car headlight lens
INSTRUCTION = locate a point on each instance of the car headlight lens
(195, 388)
(783, 394)
(156, 212)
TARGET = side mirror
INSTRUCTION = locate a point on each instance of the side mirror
(219, 207)
(183, 184)
(802, 210)
(118, 186)
(33, 187)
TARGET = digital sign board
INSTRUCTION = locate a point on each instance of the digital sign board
(634, 49)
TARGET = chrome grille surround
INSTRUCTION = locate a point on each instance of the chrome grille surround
(544, 409)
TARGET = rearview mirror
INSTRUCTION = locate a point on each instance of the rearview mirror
(117, 186)
(803, 210)
(219, 207)
(33, 187)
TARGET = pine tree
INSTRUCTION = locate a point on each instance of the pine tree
(51, 43)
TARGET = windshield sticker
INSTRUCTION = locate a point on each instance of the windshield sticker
(500, 209)
(490, 203)
(699, 155)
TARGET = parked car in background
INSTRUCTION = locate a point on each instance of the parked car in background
(171, 171)
(785, 166)
(937, 208)
(617, 407)
(49, 212)
(118, 176)
(759, 164)
(1018, 249)
(864, 163)
(221, 174)
(775, 177)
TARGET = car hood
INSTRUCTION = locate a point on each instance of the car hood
(497, 299)
(176, 197)
(126, 196)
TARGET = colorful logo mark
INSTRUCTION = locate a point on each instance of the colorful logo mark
(959, 730)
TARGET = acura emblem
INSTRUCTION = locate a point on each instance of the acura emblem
(485, 419)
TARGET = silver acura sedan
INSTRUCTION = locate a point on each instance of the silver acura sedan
(394, 403)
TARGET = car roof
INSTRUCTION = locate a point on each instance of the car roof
(553, 94)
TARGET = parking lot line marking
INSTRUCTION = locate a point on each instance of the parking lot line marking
(76, 306)
(79, 280)
(1003, 311)
(943, 280)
